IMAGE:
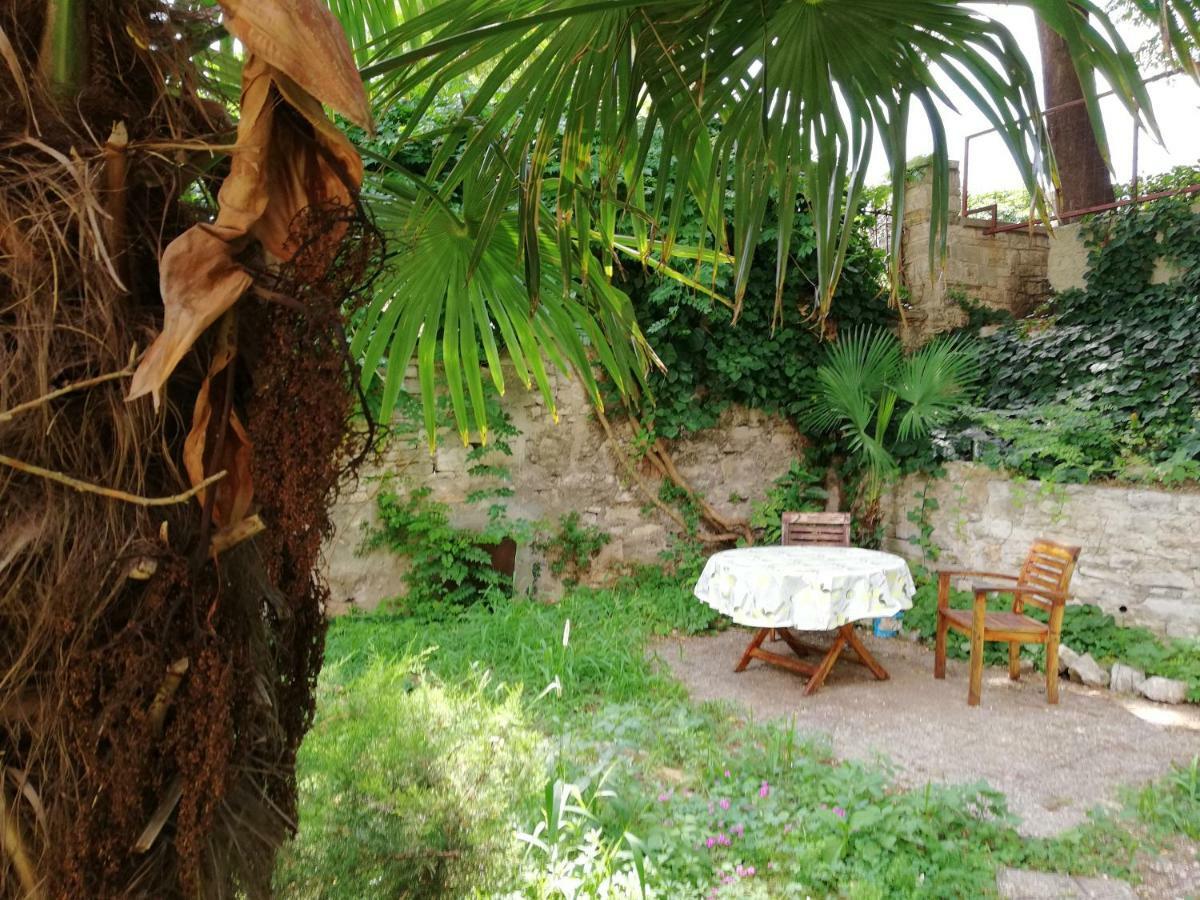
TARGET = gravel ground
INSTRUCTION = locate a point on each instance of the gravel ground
(1170, 875)
(1054, 763)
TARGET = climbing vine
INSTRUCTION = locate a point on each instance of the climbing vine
(759, 362)
(1105, 382)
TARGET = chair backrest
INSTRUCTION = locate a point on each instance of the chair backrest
(828, 529)
(1049, 567)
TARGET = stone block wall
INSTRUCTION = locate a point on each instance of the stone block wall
(558, 468)
(1068, 259)
(1141, 548)
(1006, 271)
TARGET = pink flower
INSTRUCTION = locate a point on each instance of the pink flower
(750, 871)
(764, 790)
(739, 829)
(710, 843)
(726, 773)
(663, 798)
(839, 812)
(724, 803)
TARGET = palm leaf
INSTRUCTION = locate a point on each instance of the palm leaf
(799, 102)
(426, 305)
(934, 381)
(850, 395)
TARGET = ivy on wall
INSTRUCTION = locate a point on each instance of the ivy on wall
(1105, 383)
(713, 362)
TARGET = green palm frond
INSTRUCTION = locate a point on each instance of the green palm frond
(851, 392)
(866, 379)
(798, 93)
(367, 22)
(934, 381)
(1178, 24)
(453, 299)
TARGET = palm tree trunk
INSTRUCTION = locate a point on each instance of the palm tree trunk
(1084, 176)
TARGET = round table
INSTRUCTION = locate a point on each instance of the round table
(776, 589)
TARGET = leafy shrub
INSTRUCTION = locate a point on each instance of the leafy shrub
(822, 829)
(799, 489)
(756, 359)
(449, 567)
(410, 787)
(571, 549)
(1173, 804)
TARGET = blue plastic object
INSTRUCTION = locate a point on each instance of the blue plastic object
(889, 627)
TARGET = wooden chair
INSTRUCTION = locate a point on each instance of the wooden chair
(1042, 581)
(813, 529)
(824, 529)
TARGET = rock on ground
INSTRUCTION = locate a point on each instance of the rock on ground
(1164, 690)
(1066, 656)
(1025, 884)
(1085, 670)
(1125, 679)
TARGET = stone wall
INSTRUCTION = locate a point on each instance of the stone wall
(1141, 548)
(1004, 271)
(1068, 259)
(558, 468)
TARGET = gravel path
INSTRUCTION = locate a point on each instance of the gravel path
(1054, 763)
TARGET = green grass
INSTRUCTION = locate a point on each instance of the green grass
(479, 756)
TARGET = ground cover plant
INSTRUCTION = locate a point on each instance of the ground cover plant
(594, 775)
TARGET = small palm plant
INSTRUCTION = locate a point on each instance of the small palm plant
(874, 395)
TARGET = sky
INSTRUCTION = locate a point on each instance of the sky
(1176, 104)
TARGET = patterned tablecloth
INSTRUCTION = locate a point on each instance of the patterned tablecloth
(807, 588)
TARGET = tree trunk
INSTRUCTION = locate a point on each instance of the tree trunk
(1084, 177)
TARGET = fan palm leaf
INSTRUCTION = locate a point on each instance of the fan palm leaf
(453, 299)
(933, 381)
(798, 92)
(866, 378)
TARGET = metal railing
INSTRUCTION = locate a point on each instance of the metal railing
(996, 227)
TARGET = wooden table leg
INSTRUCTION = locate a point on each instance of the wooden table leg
(754, 650)
(818, 678)
(755, 643)
(843, 637)
(864, 654)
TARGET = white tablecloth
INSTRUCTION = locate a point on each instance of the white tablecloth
(808, 588)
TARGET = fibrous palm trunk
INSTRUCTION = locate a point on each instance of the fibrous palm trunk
(157, 655)
(1083, 174)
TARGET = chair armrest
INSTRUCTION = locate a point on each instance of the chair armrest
(944, 576)
(960, 573)
(979, 612)
(983, 589)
